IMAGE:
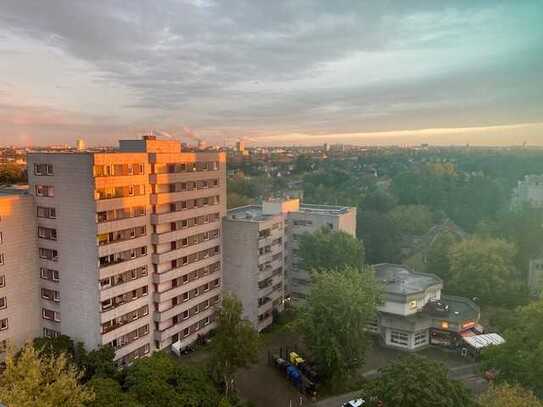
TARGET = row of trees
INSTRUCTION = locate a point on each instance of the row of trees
(54, 372)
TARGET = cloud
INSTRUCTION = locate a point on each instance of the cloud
(261, 67)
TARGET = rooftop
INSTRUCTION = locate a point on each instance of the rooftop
(325, 209)
(453, 308)
(249, 213)
(398, 279)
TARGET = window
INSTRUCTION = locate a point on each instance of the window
(421, 338)
(48, 274)
(45, 212)
(399, 338)
(1, 258)
(43, 169)
(51, 295)
(47, 233)
(48, 254)
(3, 302)
(45, 191)
(3, 324)
(413, 304)
(2, 281)
(50, 315)
(50, 333)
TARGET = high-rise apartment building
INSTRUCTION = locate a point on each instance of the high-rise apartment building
(254, 262)
(129, 244)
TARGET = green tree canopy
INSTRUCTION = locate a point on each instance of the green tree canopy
(161, 381)
(412, 219)
(380, 236)
(236, 342)
(332, 321)
(326, 249)
(36, 379)
(506, 395)
(482, 268)
(415, 381)
(438, 255)
(109, 393)
(518, 360)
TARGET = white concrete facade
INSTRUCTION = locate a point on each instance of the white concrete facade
(19, 282)
(254, 263)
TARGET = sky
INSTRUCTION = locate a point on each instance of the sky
(276, 72)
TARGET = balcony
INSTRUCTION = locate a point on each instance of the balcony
(183, 233)
(169, 178)
(112, 269)
(264, 323)
(168, 217)
(123, 245)
(123, 309)
(159, 278)
(167, 295)
(184, 251)
(169, 197)
(169, 332)
(119, 203)
(161, 316)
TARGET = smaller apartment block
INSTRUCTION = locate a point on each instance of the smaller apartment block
(19, 284)
(260, 252)
(414, 314)
(254, 262)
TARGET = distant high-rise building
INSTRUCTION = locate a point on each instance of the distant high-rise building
(80, 144)
(529, 192)
(240, 146)
(126, 246)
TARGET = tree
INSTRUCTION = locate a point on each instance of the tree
(236, 342)
(326, 249)
(438, 255)
(235, 200)
(518, 360)
(332, 321)
(380, 236)
(415, 381)
(160, 381)
(36, 379)
(379, 201)
(508, 396)
(98, 362)
(412, 219)
(11, 173)
(109, 393)
(483, 268)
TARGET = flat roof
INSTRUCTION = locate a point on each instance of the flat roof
(453, 308)
(398, 279)
(326, 209)
(249, 213)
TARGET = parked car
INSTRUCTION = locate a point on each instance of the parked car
(354, 403)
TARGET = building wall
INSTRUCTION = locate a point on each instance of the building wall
(75, 225)
(254, 266)
(241, 264)
(19, 274)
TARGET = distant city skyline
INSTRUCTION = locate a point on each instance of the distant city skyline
(282, 72)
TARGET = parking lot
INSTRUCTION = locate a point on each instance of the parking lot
(267, 387)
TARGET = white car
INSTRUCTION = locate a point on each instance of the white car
(354, 403)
